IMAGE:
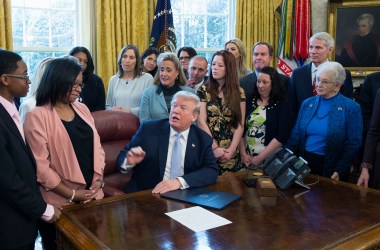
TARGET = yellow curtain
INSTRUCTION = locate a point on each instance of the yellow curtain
(121, 22)
(6, 25)
(256, 21)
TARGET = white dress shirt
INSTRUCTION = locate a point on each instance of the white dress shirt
(125, 167)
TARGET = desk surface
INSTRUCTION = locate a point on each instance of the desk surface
(331, 215)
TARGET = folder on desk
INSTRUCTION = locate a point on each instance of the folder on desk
(203, 197)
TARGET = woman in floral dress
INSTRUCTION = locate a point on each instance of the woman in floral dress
(223, 110)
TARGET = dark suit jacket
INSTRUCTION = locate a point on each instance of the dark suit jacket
(21, 203)
(153, 137)
(372, 145)
(247, 82)
(367, 98)
(300, 86)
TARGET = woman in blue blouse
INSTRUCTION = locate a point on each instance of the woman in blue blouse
(329, 126)
(268, 118)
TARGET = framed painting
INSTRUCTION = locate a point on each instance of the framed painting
(355, 25)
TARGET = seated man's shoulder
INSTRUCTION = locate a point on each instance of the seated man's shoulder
(155, 124)
(201, 133)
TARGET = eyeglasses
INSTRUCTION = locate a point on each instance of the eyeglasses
(78, 84)
(184, 58)
(25, 77)
(323, 81)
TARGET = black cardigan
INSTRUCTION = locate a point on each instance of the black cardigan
(93, 93)
(279, 120)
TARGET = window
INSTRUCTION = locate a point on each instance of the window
(203, 24)
(44, 28)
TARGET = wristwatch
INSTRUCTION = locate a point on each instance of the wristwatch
(101, 182)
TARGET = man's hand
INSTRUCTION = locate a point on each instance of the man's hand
(335, 176)
(363, 178)
(135, 155)
(166, 186)
(191, 83)
(57, 214)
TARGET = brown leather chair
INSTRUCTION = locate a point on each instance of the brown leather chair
(115, 129)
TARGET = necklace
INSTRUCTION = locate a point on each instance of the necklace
(66, 115)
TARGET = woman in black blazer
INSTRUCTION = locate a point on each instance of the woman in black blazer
(268, 118)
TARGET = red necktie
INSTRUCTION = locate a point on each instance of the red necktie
(313, 84)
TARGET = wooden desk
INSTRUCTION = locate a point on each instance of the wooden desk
(331, 215)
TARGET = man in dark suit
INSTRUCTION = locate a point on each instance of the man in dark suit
(150, 152)
(367, 98)
(301, 82)
(21, 203)
(262, 54)
(197, 72)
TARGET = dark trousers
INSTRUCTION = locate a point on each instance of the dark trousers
(27, 247)
(48, 235)
(315, 162)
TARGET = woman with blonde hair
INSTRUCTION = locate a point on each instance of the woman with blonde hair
(237, 48)
(169, 79)
(222, 110)
(30, 101)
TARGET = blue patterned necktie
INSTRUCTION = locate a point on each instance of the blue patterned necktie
(175, 168)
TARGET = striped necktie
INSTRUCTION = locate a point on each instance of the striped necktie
(314, 83)
(175, 168)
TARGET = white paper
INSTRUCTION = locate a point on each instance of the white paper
(198, 219)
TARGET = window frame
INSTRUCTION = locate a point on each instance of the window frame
(231, 20)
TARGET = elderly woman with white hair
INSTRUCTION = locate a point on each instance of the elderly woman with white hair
(169, 79)
(329, 126)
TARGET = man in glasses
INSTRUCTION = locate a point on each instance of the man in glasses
(21, 203)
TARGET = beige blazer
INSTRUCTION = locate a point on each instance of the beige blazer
(54, 153)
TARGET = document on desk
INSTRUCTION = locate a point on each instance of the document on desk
(198, 219)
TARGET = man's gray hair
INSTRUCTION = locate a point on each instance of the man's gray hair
(336, 68)
(366, 16)
(325, 37)
(188, 95)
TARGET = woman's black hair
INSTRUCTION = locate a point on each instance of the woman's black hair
(57, 81)
(277, 92)
(190, 50)
(90, 63)
(145, 54)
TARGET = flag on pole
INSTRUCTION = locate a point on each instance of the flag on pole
(295, 30)
(163, 36)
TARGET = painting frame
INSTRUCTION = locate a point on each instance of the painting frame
(342, 14)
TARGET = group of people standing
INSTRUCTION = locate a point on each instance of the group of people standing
(193, 127)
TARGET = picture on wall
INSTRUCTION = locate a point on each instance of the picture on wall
(355, 26)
